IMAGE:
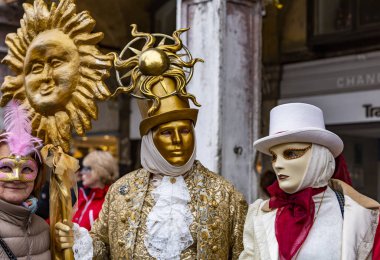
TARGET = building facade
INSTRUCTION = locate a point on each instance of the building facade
(226, 34)
(326, 53)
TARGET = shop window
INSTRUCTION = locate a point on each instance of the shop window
(340, 21)
(81, 146)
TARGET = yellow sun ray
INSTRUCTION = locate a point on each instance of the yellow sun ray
(101, 86)
(86, 25)
(162, 42)
(62, 121)
(71, 109)
(85, 119)
(126, 75)
(86, 105)
(83, 16)
(92, 39)
(90, 86)
(36, 120)
(85, 92)
(135, 51)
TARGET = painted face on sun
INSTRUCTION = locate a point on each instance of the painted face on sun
(51, 71)
(16, 168)
(290, 162)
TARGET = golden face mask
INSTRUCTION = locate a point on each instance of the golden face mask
(16, 168)
(175, 141)
(290, 162)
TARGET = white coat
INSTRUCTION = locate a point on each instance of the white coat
(357, 226)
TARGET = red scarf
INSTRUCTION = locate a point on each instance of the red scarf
(376, 244)
(294, 218)
(341, 170)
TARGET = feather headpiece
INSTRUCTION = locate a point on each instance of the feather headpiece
(18, 131)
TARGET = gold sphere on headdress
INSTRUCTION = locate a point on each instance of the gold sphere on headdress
(153, 62)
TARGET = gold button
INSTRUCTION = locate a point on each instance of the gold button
(214, 225)
(214, 203)
(204, 234)
(123, 219)
(203, 198)
(121, 243)
(214, 248)
(173, 180)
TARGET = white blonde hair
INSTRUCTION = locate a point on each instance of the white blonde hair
(103, 164)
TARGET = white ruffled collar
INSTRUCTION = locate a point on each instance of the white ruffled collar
(168, 223)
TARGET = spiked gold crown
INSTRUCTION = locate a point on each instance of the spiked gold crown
(157, 75)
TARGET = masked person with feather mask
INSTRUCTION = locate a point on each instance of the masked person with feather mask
(173, 207)
(23, 235)
(309, 215)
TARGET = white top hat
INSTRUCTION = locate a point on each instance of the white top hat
(298, 123)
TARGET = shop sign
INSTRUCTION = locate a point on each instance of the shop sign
(334, 75)
(371, 111)
(363, 79)
(345, 108)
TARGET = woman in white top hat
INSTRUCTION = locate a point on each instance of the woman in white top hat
(309, 215)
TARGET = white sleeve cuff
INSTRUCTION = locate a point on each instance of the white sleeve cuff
(83, 248)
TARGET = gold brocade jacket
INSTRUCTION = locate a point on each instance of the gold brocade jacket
(218, 209)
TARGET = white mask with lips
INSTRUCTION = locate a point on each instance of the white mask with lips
(302, 165)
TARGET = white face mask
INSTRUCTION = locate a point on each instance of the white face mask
(290, 162)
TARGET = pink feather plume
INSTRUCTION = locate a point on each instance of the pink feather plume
(18, 130)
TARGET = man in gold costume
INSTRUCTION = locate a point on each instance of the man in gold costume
(173, 207)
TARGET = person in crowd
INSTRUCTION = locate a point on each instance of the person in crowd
(99, 171)
(23, 234)
(173, 207)
(309, 215)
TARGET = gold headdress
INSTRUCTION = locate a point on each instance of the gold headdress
(157, 76)
(58, 70)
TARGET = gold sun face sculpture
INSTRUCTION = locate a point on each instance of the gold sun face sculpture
(152, 64)
(59, 72)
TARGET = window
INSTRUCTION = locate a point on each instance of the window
(337, 21)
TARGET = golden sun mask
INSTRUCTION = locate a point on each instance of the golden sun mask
(59, 72)
(175, 141)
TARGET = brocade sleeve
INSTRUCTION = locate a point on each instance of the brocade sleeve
(99, 231)
(238, 213)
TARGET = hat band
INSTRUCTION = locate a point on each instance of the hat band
(181, 114)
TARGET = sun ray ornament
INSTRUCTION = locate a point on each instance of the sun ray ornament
(58, 76)
(139, 70)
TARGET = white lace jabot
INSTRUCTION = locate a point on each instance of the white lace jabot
(168, 223)
(83, 249)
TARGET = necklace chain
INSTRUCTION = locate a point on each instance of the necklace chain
(319, 207)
